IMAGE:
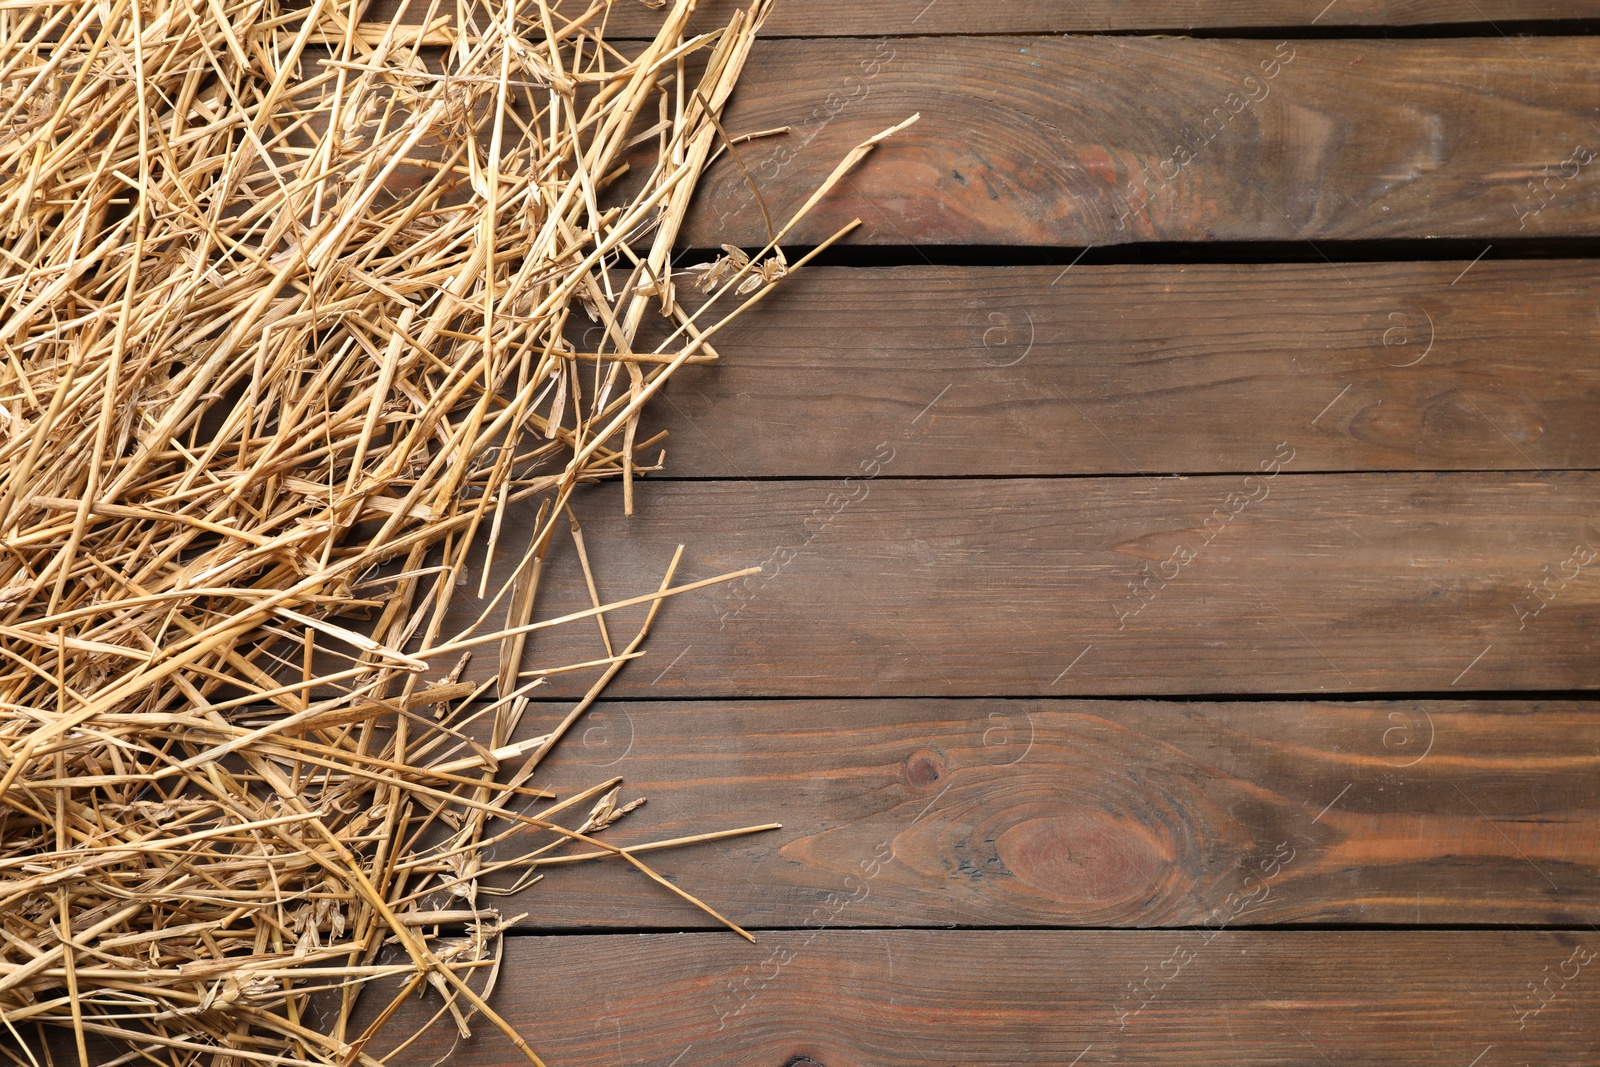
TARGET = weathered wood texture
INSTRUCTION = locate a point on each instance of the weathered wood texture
(1036, 811)
(883, 998)
(835, 18)
(1233, 584)
(828, 18)
(1092, 813)
(1119, 369)
(1103, 140)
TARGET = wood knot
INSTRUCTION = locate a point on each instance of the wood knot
(1085, 858)
(923, 769)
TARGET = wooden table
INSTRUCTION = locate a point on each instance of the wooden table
(1179, 513)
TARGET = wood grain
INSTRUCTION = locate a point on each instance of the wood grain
(1116, 369)
(885, 998)
(1105, 140)
(1090, 813)
(840, 18)
(888, 587)
(947, 782)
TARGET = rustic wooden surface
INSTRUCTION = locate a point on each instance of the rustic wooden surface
(1093, 813)
(980, 494)
(880, 997)
(824, 18)
(1173, 369)
(843, 18)
(1047, 141)
(1294, 583)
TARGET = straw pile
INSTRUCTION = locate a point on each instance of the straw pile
(287, 308)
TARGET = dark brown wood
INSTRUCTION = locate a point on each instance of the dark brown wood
(824, 18)
(1101, 573)
(1229, 584)
(1104, 140)
(886, 998)
(1117, 369)
(834, 18)
(1090, 813)
(991, 804)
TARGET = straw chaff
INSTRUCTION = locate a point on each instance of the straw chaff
(287, 308)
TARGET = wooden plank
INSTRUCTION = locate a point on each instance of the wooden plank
(831, 18)
(1114, 369)
(1089, 813)
(840, 998)
(1230, 584)
(841, 18)
(1076, 141)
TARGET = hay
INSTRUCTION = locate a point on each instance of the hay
(286, 308)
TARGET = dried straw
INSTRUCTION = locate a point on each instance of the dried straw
(286, 308)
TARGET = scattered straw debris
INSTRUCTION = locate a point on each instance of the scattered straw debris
(287, 303)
